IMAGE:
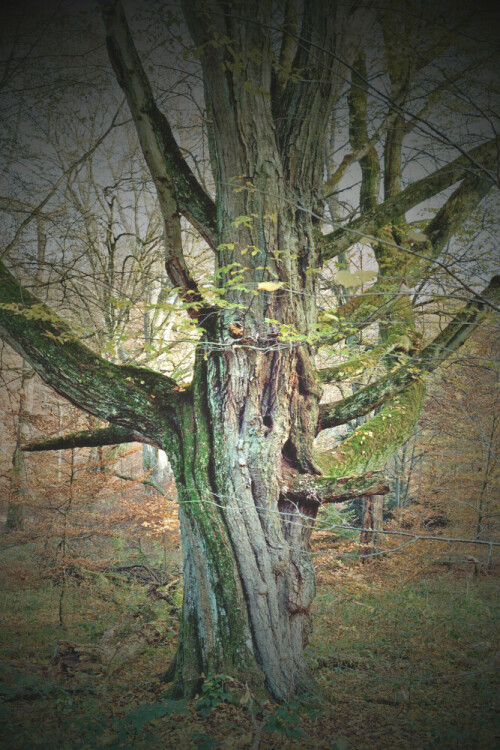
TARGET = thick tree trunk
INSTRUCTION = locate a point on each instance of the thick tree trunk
(245, 426)
(248, 576)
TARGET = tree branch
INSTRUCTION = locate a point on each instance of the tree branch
(329, 187)
(410, 263)
(343, 238)
(172, 175)
(309, 489)
(288, 43)
(372, 444)
(112, 435)
(358, 135)
(448, 341)
(365, 400)
(460, 328)
(329, 41)
(36, 211)
(358, 365)
(146, 482)
(133, 397)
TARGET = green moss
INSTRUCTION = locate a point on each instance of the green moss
(131, 396)
(396, 340)
(372, 444)
(211, 537)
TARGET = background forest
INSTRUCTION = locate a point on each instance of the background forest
(404, 645)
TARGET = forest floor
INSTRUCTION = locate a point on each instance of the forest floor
(403, 648)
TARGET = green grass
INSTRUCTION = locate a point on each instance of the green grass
(404, 659)
(417, 661)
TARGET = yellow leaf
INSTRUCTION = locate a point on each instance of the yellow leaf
(348, 279)
(270, 286)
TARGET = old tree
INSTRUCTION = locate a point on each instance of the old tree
(278, 80)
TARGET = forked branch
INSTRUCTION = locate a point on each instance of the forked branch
(343, 238)
(178, 190)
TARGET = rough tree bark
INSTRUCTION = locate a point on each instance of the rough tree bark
(371, 521)
(240, 438)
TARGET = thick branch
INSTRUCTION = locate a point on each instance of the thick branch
(448, 341)
(288, 43)
(330, 185)
(341, 239)
(372, 444)
(400, 69)
(308, 489)
(368, 360)
(133, 397)
(112, 435)
(358, 135)
(411, 262)
(365, 400)
(171, 173)
(329, 41)
(460, 328)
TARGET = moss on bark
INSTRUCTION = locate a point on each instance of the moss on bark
(372, 444)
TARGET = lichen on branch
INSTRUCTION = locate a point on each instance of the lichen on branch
(393, 208)
(112, 435)
(375, 394)
(372, 444)
(368, 360)
(308, 489)
(133, 397)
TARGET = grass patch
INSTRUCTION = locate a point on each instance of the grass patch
(406, 656)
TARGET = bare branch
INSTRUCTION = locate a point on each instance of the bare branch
(341, 239)
(36, 211)
(359, 153)
(112, 435)
(146, 482)
(172, 175)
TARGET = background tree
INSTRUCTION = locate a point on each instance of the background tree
(241, 435)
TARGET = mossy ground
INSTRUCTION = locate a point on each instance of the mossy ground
(403, 649)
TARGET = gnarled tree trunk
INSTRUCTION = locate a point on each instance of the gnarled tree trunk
(249, 577)
(240, 437)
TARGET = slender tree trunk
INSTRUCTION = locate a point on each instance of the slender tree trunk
(16, 509)
(157, 328)
(372, 521)
(18, 489)
(155, 465)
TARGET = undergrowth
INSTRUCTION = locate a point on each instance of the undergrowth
(403, 650)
